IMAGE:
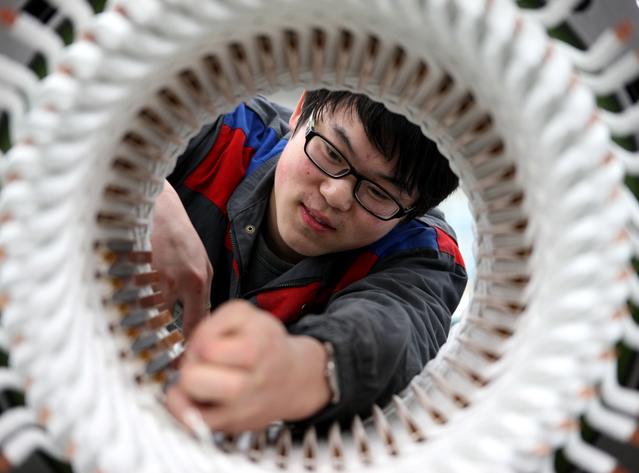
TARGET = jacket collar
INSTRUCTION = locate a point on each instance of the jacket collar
(254, 191)
(247, 208)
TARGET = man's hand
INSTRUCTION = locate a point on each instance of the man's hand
(242, 370)
(180, 258)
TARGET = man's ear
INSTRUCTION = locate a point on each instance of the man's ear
(292, 122)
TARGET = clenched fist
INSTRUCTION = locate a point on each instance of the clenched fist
(242, 371)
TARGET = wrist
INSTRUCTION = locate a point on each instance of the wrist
(312, 388)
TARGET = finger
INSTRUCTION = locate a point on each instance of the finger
(177, 402)
(233, 351)
(206, 383)
(194, 312)
(197, 303)
(230, 318)
(187, 413)
(201, 419)
(234, 418)
(169, 296)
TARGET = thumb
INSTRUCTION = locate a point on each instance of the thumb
(195, 309)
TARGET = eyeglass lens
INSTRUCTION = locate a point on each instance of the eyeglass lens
(331, 162)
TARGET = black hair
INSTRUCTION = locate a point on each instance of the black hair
(420, 165)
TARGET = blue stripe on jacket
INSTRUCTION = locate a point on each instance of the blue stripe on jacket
(263, 140)
(406, 236)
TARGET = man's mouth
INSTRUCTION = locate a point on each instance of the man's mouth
(318, 218)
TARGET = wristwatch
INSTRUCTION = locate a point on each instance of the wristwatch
(330, 372)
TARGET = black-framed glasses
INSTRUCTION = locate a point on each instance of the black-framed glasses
(376, 200)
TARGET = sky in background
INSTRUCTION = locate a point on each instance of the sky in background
(458, 215)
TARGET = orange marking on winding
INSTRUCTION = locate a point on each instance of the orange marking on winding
(8, 17)
(624, 30)
(5, 466)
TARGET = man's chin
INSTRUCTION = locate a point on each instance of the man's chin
(307, 250)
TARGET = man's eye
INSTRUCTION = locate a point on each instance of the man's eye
(378, 194)
(332, 155)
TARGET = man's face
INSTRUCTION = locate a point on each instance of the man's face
(312, 214)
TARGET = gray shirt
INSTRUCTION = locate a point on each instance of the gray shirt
(264, 265)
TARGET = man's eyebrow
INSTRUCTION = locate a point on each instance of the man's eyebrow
(343, 137)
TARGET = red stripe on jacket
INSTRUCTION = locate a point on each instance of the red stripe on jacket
(447, 245)
(220, 166)
(287, 303)
(360, 268)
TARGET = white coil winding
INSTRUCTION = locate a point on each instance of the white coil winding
(556, 228)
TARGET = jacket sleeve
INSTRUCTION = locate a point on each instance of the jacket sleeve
(385, 327)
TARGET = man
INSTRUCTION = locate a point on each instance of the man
(349, 294)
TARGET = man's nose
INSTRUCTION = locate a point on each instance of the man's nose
(338, 192)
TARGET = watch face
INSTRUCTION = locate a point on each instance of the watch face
(331, 373)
